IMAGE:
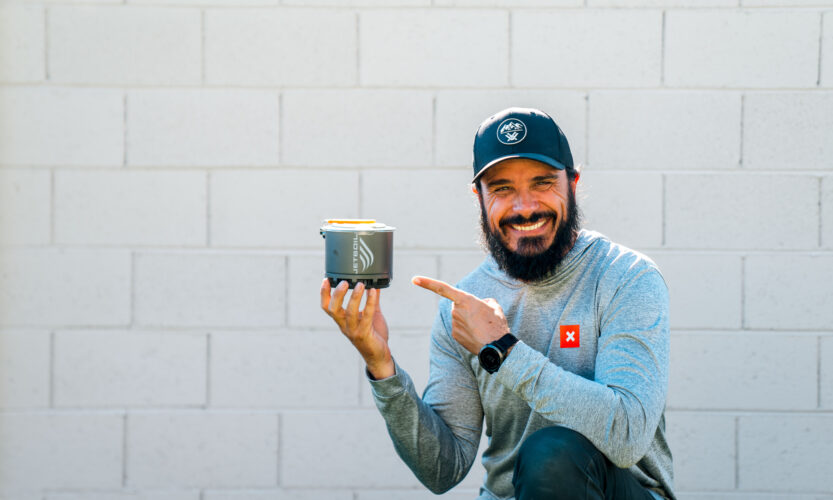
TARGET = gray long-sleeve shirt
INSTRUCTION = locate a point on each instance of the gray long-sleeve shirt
(612, 303)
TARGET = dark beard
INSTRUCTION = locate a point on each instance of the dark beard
(533, 261)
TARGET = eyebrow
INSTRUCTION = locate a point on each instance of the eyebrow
(501, 182)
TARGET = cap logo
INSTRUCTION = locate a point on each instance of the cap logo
(511, 131)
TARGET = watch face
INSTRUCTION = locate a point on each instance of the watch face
(490, 358)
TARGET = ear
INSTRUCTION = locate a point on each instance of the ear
(474, 187)
(574, 184)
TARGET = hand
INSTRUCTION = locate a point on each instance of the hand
(366, 329)
(474, 322)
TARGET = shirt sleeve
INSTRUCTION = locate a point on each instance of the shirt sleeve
(437, 435)
(620, 409)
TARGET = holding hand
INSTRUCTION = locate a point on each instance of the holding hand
(474, 322)
(366, 329)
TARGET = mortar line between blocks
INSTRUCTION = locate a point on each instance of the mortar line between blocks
(46, 43)
(821, 46)
(662, 52)
(737, 452)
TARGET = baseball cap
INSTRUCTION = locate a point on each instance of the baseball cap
(520, 133)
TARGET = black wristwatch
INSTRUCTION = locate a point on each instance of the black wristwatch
(492, 354)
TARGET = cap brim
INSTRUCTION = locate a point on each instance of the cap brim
(532, 156)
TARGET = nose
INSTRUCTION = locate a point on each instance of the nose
(525, 203)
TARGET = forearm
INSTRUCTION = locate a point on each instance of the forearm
(620, 422)
(440, 455)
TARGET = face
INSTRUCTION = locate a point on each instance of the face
(528, 216)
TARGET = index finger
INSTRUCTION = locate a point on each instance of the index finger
(440, 288)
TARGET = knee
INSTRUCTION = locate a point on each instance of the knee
(556, 455)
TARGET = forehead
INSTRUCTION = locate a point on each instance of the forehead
(518, 170)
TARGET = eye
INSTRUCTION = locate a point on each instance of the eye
(544, 184)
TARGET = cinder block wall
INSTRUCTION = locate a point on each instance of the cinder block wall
(165, 165)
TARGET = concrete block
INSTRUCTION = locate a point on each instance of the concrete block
(744, 48)
(784, 453)
(352, 439)
(25, 207)
(826, 71)
(827, 212)
(56, 126)
(64, 287)
(785, 3)
(788, 292)
(456, 266)
(204, 127)
(120, 495)
(279, 208)
(724, 495)
(662, 3)
(24, 369)
(254, 370)
(125, 45)
(360, 3)
(130, 207)
(788, 130)
(404, 304)
(752, 371)
(826, 373)
(433, 208)
(412, 354)
(129, 368)
(731, 211)
(281, 494)
(458, 493)
(357, 128)
(625, 207)
(586, 48)
(22, 43)
(202, 450)
(664, 129)
(460, 112)
(191, 289)
(201, 3)
(434, 48)
(704, 451)
(705, 290)
(60, 451)
(295, 47)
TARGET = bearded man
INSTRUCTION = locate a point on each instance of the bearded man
(558, 340)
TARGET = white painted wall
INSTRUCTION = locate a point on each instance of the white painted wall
(165, 165)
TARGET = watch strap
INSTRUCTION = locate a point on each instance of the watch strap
(505, 342)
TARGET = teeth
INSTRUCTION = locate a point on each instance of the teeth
(529, 227)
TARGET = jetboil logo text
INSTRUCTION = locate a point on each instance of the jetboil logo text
(361, 254)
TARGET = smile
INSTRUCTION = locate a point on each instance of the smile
(529, 227)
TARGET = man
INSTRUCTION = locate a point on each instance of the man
(559, 340)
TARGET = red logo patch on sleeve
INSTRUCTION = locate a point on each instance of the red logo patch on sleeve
(570, 336)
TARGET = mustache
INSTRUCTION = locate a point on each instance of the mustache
(533, 218)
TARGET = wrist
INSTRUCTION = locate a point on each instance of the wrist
(381, 369)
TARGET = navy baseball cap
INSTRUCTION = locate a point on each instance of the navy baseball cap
(520, 133)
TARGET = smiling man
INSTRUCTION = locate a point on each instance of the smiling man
(558, 341)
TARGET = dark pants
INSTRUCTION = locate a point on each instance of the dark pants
(556, 462)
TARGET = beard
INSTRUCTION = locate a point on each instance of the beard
(532, 260)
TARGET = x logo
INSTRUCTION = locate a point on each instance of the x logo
(570, 335)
